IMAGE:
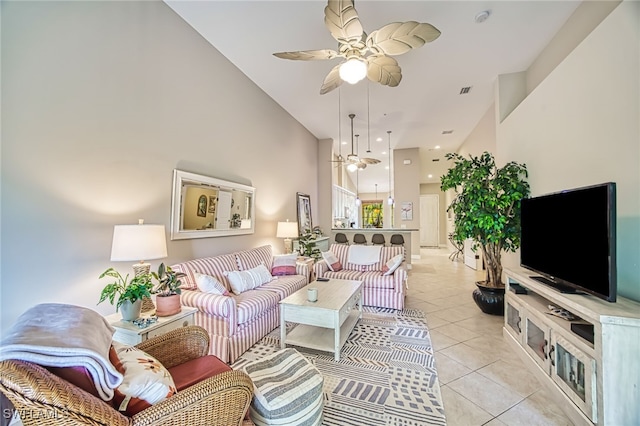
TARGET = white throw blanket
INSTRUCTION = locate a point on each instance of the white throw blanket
(364, 255)
(59, 335)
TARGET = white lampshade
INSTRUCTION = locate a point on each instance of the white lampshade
(353, 70)
(287, 230)
(138, 243)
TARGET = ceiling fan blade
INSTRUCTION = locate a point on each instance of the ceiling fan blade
(332, 80)
(400, 37)
(370, 160)
(342, 20)
(361, 165)
(308, 55)
(384, 70)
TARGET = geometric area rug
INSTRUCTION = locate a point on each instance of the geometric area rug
(386, 374)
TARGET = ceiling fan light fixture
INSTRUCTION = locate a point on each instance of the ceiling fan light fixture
(353, 70)
(352, 167)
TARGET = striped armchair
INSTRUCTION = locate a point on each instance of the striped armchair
(385, 291)
(236, 322)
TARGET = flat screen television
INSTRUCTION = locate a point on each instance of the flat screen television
(569, 239)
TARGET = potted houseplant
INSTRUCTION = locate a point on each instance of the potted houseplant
(307, 245)
(129, 293)
(167, 290)
(486, 209)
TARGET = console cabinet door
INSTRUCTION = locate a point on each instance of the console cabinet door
(514, 319)
(537, 341)
(575, 373)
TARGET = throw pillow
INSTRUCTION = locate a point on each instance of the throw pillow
(332, 261)
(284, 264)
(146, 381)
(242, 281)
(209, 284)
(392, 264)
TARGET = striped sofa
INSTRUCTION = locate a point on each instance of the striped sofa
(377, 289)
(236, 322)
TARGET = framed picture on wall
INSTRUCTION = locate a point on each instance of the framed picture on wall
(407, 210)
(303, 203)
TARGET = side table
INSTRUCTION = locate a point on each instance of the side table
(309, 261)
(130, 334)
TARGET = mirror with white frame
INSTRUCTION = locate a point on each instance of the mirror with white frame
(202, 207)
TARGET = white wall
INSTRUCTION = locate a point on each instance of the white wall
(100, 102)
(580, 127)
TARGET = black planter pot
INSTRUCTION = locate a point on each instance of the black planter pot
(490, 300)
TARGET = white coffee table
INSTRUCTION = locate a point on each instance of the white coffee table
(326, 323)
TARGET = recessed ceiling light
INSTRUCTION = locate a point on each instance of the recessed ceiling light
(386, 167)
(429, 176)
(437, 146)
(379, 140)
(384, 152)
(344, 143)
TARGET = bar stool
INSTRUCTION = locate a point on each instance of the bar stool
(397, 240)
(341, 238)
(359, 239)
(378, 239)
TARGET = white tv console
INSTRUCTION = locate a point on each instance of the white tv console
(594, 383)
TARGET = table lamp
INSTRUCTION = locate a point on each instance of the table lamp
(138, 242)
(287, 230)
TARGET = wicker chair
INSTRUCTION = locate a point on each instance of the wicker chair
(49, 400)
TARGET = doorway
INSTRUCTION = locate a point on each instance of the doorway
(429, 220)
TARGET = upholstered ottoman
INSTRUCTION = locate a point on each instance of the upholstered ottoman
(288, 390)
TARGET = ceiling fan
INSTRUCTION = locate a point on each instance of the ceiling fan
(353, 161)
(364, 55)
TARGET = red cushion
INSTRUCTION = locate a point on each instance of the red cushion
(196, 370)
(80, 376)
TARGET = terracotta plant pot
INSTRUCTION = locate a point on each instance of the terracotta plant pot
(168, 305)
(490, 300)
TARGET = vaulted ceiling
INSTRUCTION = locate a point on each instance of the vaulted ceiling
(426, 110)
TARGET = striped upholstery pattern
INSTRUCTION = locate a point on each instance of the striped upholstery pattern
(377, 289)
(249, 259)
(237, 322)
(214, 266)
(286, 285)
(288, 390)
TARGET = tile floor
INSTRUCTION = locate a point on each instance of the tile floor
(483, 381)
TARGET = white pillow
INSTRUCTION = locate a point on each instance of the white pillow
(242, 281)
(209, 284)
(392, 264)
(332, 261)
(146, 380)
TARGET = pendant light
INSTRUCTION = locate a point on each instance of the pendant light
(390, 199)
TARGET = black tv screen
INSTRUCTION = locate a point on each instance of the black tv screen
(569, 238)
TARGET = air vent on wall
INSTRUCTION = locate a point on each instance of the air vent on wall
(435, 159)
(465, 90)
(447, 132)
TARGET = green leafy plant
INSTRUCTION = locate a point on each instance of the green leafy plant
(168, 281)
(139, 287)
(307, 245)
(486, 207)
